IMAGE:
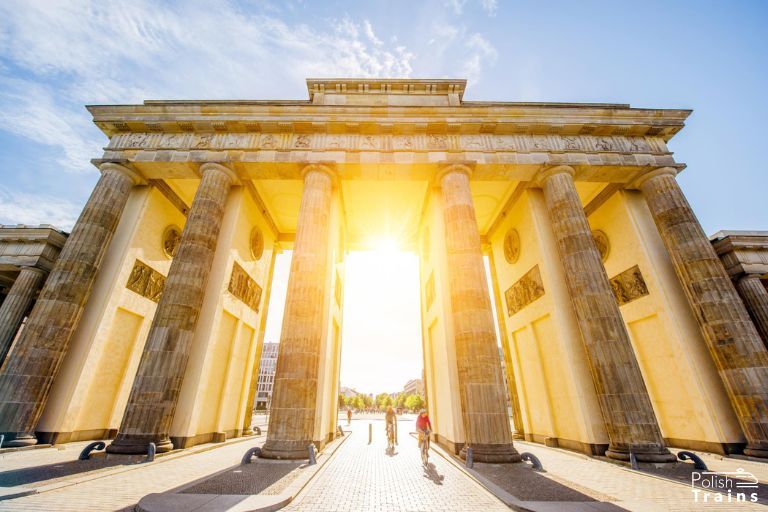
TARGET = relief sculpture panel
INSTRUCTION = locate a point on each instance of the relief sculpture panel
(629, 285)
(146, 281)
(526, 290)
(383, 142)
(242, 286)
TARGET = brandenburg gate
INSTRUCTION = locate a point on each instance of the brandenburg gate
(620, 328)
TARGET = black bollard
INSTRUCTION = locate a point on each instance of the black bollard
(151, 450)
(250, 454)
(470, 462)
(312, 460)
(697, 462)
(534, 460)
(86, 453)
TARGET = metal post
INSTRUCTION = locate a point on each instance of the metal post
(151, 449)
(312, 460)
(370, 433)
(470, 462)
(2, 438)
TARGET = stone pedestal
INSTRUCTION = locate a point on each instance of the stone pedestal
(484, 411)
(294, 396)
(736, 348)
(755, 297)
(624, 402)
(155, 392)
(26, 377)
(16, 304)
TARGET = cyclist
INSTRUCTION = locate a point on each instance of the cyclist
(423, 425)
(424, 428)
(389, 421)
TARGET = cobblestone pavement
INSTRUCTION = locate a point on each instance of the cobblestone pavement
(632, 490)
(120, 487)
(363, 477)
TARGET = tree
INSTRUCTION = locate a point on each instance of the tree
(381, 400)
(401, 400)
(414, 402)
(342, 401)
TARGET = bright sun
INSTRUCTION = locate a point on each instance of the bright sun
(385, 245)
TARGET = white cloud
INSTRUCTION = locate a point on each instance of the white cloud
(79, 52)
(34, 209)
(489, 6)
(457, 6)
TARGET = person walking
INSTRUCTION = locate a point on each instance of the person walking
(349, 416)
(390, 423)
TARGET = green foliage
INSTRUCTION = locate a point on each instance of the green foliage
(414, 402)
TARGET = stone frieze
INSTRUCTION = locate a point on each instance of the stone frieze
(146, 281)
(242, 286)
(526, 290)
(386, 142)
(629, 285)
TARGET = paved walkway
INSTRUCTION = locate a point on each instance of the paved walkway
(632, 490)
(119, 487)
(365, 477)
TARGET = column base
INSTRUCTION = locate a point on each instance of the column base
(661, 455)
(18, 439)
(756, 452)
(137, 445)
(492, 453)
(288, 450)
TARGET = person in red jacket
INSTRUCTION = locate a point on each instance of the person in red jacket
(423, 425)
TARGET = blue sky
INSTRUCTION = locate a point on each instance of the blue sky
(57, 56)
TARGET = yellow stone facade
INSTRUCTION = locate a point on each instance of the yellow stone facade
(452, 180)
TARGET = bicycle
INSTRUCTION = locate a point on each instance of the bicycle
(424, 441)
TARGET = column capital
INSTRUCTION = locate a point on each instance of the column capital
(41, 271)
(214, 166)
(541, 176)
(638, 182)
(445, 168)
(748, 276)
(327, 168)
(133, 175)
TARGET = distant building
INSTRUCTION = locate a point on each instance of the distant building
(266, 376)
(347, 392)
(414, 387)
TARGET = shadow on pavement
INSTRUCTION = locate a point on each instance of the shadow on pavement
(527, 485)
(247, 479)
(430, 472)
(55, 471)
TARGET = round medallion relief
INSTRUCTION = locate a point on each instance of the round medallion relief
(171, 240)
(512, 246)
(602, 243)
(257, 243)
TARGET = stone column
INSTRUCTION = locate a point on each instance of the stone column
(481, 388)
(155, 392)
(624, 402)
(294, 396)
(16, 305)
(736, 348)
(755, 297)
(26, 377)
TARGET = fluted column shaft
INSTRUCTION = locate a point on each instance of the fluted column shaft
(26, 378)
(294, 397)
(16, 304)
(736, 348)
(624, 402)
(481, 388)
(155, 392)
(755, 296)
